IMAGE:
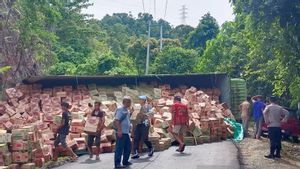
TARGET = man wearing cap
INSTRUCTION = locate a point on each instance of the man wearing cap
(122, 125)
(141, 131)
(180, 120)
(272, 115)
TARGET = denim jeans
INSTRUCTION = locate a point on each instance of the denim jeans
(123, 148)
(258, 126)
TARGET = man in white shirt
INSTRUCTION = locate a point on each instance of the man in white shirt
(272, 116)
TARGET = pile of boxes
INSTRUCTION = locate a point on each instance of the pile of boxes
(30, 115)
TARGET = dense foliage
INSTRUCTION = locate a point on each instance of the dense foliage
(262, 44)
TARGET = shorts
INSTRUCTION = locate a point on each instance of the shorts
(61, 138)
(91, 139)
(179, 129)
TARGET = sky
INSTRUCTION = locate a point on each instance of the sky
(219, 9)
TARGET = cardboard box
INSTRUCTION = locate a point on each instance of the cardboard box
(78, 129)
(3, 148)
(8, 125)
(37, 153)
(158, 123)
(57, 119)
(28, 166)
(111, 135)
(7, 159)
(39, 162)
(19, 145)
(91, 125)
(61, 94)
(5, 137)
(78, 122)
(74, 135)
(1, 160)
(14, 166)
(20, 157)
(106, 147)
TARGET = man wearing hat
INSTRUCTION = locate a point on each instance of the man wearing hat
(141, 131)
(272, 115)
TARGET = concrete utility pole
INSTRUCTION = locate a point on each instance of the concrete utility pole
(161, 37)
(148, 49)
(183, 14)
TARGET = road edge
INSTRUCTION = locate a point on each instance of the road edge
(239, 154)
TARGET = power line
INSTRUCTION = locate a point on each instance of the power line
(154, 9)
(143, 5)
(183, 14)
(149, 7)
(166, 7)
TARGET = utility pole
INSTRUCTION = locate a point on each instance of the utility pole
(148, 48)
(183, 14)
(161, 37)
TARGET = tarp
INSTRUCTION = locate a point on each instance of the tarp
(238, 129)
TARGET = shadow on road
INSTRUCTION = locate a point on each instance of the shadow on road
(90, 161)
(182, 154)
(142, 160)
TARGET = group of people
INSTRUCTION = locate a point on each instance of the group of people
(141, 128)
(124, 128)
(63, 130)
(270, 113)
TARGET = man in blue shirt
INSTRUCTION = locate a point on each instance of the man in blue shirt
(258, 108)
(122, 125)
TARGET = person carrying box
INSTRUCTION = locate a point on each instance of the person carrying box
(97, 112)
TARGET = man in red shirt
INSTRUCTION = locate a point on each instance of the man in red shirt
(180, 120)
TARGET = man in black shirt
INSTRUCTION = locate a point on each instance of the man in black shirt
(62, 132)
(96, 136)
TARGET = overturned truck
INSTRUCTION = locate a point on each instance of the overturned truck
(31, 112)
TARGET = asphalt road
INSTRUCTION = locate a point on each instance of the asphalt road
(221, 155)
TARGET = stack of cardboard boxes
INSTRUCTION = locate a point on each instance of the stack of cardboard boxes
(31, 114)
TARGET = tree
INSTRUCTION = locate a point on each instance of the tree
(227, 52)
(175, 60)
(278, 25)
(207, 29)
(138, 51)
(181, 32)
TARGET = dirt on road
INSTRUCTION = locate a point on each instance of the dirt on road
(252, 153)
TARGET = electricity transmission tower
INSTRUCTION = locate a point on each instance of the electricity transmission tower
(183, 14)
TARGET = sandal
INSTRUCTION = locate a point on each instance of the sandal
(183, 147)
